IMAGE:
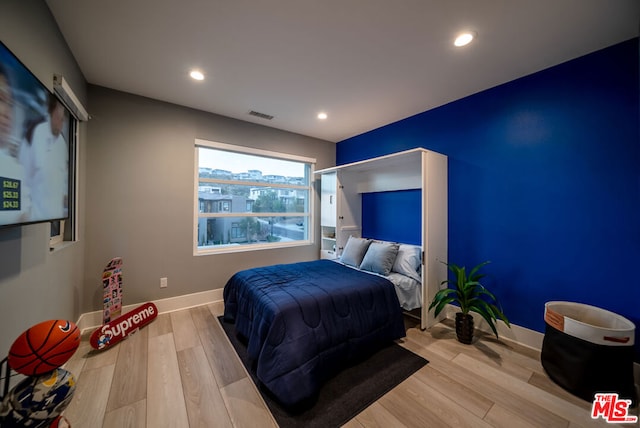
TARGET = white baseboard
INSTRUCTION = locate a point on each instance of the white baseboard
(91, 320)
(521, 335)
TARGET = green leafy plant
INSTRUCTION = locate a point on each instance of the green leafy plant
(467, 291)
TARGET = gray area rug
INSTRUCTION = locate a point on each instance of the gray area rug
(348, 393)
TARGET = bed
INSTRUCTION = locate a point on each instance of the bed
(304, 322)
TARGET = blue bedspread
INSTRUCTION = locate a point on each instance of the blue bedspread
(304, 322)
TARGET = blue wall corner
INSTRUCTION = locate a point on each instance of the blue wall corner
(544, 181)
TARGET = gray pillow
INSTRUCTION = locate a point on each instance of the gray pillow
(354, 251)
(408, 261)
(380, 257)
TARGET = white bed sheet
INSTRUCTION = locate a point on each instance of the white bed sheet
(409, 290)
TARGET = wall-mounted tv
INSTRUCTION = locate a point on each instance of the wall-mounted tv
(34, 147)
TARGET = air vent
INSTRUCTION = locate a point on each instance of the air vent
(260, 115)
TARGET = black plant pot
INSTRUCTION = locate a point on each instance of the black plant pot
(464, 328)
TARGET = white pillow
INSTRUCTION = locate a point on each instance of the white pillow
(354, 251)
(408, 261)
(380, 257)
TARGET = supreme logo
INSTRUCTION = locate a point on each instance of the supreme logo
(116, 330)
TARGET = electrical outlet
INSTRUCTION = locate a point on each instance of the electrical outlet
(163, 282)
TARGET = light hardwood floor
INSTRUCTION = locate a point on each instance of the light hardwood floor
(181, 371)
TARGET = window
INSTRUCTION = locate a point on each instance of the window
(250, 199)
(56, 233)
(66, 230)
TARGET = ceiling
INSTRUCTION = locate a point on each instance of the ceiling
(366, 63)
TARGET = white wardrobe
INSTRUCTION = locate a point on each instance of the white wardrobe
(341, 208)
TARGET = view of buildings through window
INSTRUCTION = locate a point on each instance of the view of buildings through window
(249, 200)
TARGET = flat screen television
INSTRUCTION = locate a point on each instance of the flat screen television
(35, 129)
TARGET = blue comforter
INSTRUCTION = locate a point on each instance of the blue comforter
(304, 322)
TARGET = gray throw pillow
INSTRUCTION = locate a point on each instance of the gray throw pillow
(354, 251)
(380, 257)
(408, 261)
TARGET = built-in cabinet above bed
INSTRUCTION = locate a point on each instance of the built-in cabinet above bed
(417, 169)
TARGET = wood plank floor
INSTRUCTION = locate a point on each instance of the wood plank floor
(181, 371)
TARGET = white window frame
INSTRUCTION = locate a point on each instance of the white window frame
(68, 232)
(57, 236)
(260, 246)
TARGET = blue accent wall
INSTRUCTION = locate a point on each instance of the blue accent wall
(544, 181)
(391, 216)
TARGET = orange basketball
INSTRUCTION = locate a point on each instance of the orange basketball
(44, 347)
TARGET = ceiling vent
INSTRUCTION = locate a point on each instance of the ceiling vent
(260, 115)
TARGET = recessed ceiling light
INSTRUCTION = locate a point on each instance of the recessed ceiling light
(322, 116)
(464, 39)
(196, 75)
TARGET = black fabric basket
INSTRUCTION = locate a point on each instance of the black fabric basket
(585, 368)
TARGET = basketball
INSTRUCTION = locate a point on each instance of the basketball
(44, 347)
(38, 401)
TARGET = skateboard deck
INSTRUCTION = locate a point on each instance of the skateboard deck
(112, 290)
(118, 329)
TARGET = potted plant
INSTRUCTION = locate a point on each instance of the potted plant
(471, 296)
